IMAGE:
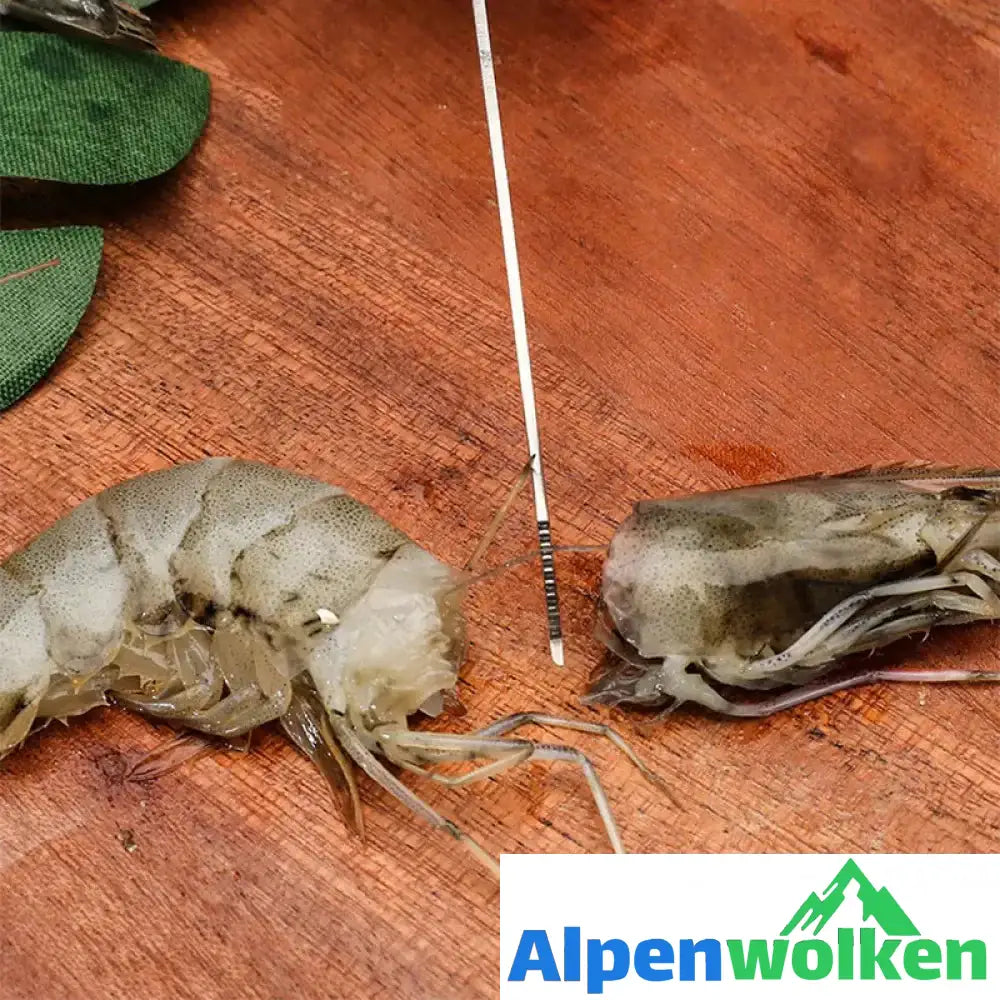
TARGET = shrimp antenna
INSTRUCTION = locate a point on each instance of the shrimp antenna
(498, 518)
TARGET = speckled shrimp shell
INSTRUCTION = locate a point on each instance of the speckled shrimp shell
(97, 20)
(770, 587)
(225, 594)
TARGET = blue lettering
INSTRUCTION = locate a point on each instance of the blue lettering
(597, 973)
(571, 954)
(654, 952)
(533, 942)
(711, 948)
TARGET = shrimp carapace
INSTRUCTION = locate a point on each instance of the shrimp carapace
(768, 587)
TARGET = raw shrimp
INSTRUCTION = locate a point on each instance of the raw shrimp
(768, 587)
(225, 594)
(103, 20)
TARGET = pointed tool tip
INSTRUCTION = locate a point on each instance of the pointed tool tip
(556, 648)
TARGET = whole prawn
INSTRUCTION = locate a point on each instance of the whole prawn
(224, 594)
(770, 587)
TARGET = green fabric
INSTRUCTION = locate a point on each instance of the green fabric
(90, 113)
(40, 309)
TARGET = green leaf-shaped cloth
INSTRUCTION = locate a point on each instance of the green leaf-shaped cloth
(47, 278)
(87, 113)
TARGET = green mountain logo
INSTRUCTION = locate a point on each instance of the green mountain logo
(878, 904)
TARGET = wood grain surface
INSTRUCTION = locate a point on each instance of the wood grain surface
(758, 239)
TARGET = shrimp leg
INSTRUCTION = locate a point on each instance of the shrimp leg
(862, 632)
(18, 725)
(375, 770)
(232, 716)
(180, 749)
(513, 722)
(981, 562)
(244, 709)
(443, 747)
(305, 723)
(812, 642)
(809, 692)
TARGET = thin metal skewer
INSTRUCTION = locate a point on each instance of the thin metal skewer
(506, 213)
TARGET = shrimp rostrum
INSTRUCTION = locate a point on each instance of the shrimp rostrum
(224, 594)
(768, 588)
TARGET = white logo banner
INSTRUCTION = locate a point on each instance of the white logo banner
(739, 925)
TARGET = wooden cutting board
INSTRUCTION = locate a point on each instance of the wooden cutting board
(758, 240)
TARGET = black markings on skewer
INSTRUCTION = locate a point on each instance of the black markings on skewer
(549, 580)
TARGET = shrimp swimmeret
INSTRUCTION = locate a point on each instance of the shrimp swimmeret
(224, 594)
